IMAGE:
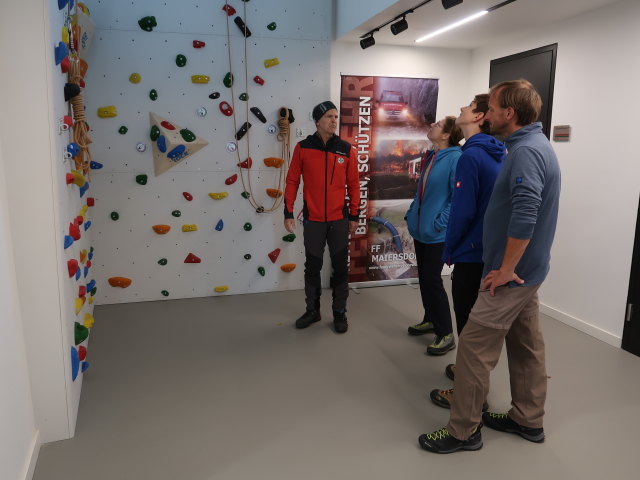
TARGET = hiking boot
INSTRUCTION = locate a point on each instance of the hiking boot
(340, 322)
(309, 317)
(450, 371)
(441, 441)
(443, 398)
(503, 423)
(441, 345)
(421, 328)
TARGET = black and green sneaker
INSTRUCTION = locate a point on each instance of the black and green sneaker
(441, 345)
(441, 441)
(503, 423)
(421, 328)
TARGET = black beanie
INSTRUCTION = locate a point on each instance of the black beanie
(322, 108)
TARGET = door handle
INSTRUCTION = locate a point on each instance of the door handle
(629, 313)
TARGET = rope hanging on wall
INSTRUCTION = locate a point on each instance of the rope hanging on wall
(284, 132)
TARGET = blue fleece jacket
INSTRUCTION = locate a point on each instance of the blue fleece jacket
(478, 167)
(428, 214)
(524, 205)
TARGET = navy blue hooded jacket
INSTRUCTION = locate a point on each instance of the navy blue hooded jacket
(478, 167)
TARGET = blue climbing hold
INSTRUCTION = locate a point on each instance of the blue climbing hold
(95, 165)
(162, 143)
(78, 273)
(177, 152)
(86, 271)
(73, 148)
(91, 285)
(68, 241)
(75, 363)
(85, 366)
(83, 189)
(87, 225)
(220, 225)
(90, 256)
(61, 51)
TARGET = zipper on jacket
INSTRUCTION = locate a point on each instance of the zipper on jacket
(326, 174)
(333, 170)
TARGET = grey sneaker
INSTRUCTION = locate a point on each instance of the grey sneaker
(503, 423)
(441, 345)
(421, 328)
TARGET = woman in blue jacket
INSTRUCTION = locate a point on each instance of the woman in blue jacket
(427, 220)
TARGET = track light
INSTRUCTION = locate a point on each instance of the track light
(399, 26)
(367, 42)
(450, 3)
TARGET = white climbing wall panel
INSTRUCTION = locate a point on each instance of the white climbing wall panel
(129, 247)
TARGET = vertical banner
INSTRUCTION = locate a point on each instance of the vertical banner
(386, 120)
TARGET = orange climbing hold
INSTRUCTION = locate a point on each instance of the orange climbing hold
(161, 229)
(288, 267)
(122, 282)
(273, 162)
(274, 192)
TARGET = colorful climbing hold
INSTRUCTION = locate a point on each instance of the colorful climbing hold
(274, 192)
(162, 261)
(176, 213)
(81, 333)
(272, 26)
(141, 179)
(191, 258)
(71, 90)
(84, 366)
(122, 282)
(68, 241)
(135, 78)
(228, 80)
(261, 271)
(60, 52)
(214, 95)
(153, 94)
(72, 267)
(73, 149)
(226, 109)
(289, 238)
(288, 267)
(108, 111)
(82, 291)
(258, 113)
(219, 195)
(167, 125)
(147, 23)
(243, 130)
(82, 352)
(165, 293)
(187, 135)
(188, 196)
(221, 289)
(243, 28)
(247, 227)
(247, 256)
(200, 78)
(229, 9)
(177, 153)
(271, 62)
(198, 44)
(273, 256)
(161, 229)
(93, 165)
(79, 303)
(232, 179)
(123, 130)
(219, 225)
(258, 79)
(189, 227)
(75, 364)
(83, 256)
(244, 97)
(154, 133)
(181, 60)
(83, 189)
(115, 216)
(245, 194)
(162, 143)
(87, 225)
(88, 320)
(273, 162)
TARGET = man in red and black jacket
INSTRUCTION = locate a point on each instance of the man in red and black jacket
(329, 168)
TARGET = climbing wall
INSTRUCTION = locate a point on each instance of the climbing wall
(171, 220)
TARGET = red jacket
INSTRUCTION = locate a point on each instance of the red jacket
(326, 171)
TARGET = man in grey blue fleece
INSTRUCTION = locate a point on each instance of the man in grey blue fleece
(519, 226)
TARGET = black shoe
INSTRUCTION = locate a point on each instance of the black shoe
(441, 345)
(309, 317)
(450, 371)
(421, 328)
(340, 322)
(443, 398)
(503, 423)
(441, 441)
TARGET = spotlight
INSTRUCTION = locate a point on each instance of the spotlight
(367, 42)
(450, 3)
(399, 26)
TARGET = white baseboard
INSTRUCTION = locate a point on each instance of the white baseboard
(33, 457)
(582, 326)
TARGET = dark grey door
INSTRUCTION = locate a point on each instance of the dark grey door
(631, 333)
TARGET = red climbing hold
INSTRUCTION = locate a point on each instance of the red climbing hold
(273, 256)
(229, 9)
(191, 258)
(74, 231)
(246, 164)
(70, 178)
(258, 79)
(188, 196)
(82, 352)
(198, 44)
(72, 266)
(91, 201)
(65, 65)
(82, 291)
(232, 179)
(79, 220)
(167, 125)
(226, 109)
(89, 264)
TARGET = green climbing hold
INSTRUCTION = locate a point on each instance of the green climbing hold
(80, 333)
(162, 261)
(153, 94)
(228, 80)
(147, 23)
(155, 133)
(261, 271)
(247, 256)
(122, 130)
(289, 238)
(181, 60)
(244, 97)
(187, 135)
(91, 249)
(272, 26)
(176, 213)
(115, 216)
(245, 194)
(93, 291)
(141, 179)
(165, 293)
(247, 227)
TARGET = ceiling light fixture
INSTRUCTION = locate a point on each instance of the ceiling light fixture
(399, 27)
(367, 42)
(450, 3)
(453, 25)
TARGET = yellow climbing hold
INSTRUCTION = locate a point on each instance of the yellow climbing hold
(88, 320)
(79, 303)
(65, 35)
(221, 289)
(135, 78)
(200, 78)
(271, 62)
(83, 256)
(189, 227)
(108, 111)
(78, 178)
(83, 210)
(91, 299)
(219, 195)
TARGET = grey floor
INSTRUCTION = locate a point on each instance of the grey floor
(226, 388)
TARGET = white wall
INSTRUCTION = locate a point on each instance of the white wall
(349, 14)
(595, 85)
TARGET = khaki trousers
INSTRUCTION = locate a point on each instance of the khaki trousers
(510, 316)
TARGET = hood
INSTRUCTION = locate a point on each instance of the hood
(494, 148)
(516, 136)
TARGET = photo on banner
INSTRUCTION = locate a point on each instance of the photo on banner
(386, 119)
